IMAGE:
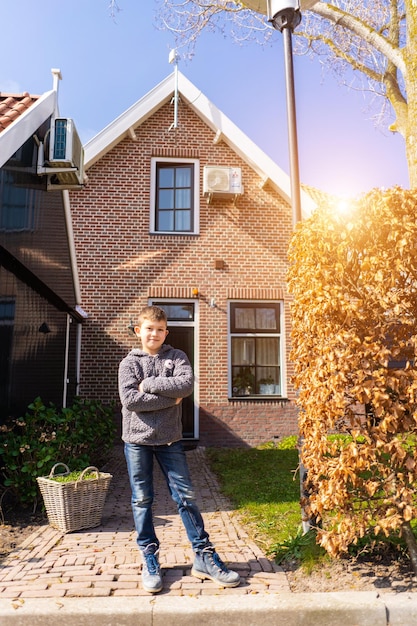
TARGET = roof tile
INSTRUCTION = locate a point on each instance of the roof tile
(12, 106)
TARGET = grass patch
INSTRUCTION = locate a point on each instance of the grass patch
(263, 486)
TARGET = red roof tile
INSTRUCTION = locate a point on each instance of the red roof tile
(13, 105)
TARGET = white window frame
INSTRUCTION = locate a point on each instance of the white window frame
(282, 348)
(196, 216)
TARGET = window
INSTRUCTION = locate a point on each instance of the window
(175, 196)
(178, 312)
(18, 205)
(255, 349)
(7, 315)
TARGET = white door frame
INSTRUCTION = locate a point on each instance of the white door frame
(196, 365)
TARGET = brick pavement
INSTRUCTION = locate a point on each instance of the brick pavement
(105, 561)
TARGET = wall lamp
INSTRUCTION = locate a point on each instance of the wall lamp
(195, 292)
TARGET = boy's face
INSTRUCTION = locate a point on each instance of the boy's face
(152, 335)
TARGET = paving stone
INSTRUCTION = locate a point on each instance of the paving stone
(105, 560)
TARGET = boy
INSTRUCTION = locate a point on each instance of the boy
(152, 382)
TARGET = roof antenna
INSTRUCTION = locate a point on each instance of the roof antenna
(174, 58)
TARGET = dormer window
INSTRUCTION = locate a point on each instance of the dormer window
(175, 196)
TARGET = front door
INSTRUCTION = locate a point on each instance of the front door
(183, 339)
(181, 319)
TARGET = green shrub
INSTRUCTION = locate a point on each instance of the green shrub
(288, 443)
(79, 435)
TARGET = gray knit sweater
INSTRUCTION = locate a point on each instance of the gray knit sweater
(151, 417)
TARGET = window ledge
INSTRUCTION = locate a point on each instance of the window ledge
(174, 233)
(258, 399)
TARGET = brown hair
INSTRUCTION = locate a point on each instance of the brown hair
(154, 313)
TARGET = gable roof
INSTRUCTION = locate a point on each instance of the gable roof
(25, 124)
(223, 128)
(21, 115)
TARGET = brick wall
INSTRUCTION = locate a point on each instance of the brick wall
(121, 265)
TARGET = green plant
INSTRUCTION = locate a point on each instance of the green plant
(266, 385)
(288, 443)
(73, 476)
(300, 547)
(79, 435)
(266, 381)
(244, 381)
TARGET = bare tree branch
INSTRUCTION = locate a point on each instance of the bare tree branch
(375, 38)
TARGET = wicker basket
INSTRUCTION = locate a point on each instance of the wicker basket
(75, 504)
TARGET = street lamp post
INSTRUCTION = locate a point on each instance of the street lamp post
(285, 16)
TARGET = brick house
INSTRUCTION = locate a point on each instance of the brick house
(40, 314)
(183, 210)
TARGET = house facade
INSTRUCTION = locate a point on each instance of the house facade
(182, 210)
(40, 316)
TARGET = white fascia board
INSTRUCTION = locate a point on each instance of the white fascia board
(240, 143)
(112, 134)
(19, 131)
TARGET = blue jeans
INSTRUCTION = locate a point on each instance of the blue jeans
(173, 463)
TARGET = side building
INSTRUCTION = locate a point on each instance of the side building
(40, 312)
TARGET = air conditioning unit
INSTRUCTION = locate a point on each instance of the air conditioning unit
(65, 155)
(222, 180)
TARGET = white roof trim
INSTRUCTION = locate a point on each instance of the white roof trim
(112, 134)
(23, 127)
(221, 125)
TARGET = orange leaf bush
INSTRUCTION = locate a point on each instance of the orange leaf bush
(354, 284)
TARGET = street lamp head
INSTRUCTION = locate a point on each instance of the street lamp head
(273, 6)
(283, 13)
(260, 5)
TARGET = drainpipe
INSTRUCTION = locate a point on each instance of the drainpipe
(78, 359)
(77, 289)
(67, 338)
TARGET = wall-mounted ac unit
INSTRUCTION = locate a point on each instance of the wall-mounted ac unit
(65, 155)
(222, 180)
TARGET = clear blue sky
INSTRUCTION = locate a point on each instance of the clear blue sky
(108, 65)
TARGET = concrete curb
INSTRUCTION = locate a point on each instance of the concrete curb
(287, 609)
